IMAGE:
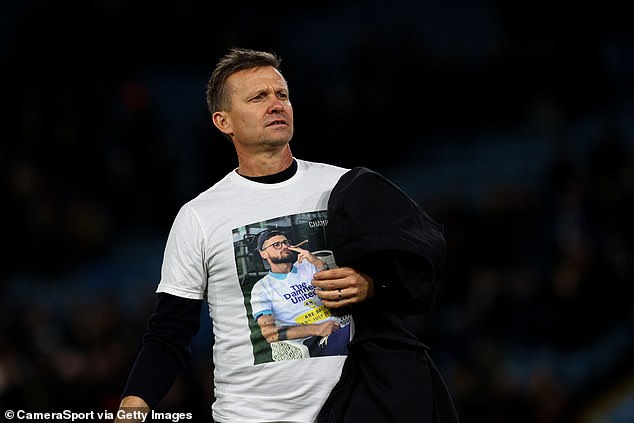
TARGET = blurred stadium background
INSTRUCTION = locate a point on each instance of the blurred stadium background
(510, 122)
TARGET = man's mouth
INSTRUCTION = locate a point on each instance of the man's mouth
(277, 122)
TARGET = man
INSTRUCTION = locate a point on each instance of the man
(250, 104)
(284, 302)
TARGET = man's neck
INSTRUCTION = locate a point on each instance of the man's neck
(265, 164)
(276, 178)
(281, 267)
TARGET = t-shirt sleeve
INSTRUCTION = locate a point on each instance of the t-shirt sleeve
(260, 301)
(183, 272)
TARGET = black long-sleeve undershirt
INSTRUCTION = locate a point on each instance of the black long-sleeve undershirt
(166, 348)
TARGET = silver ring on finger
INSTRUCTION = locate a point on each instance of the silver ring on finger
(340, 297)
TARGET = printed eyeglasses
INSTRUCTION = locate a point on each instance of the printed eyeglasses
(277, 245)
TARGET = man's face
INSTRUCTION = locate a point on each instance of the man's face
(260, 112)
(283, 255)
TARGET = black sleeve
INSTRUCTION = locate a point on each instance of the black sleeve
(166, 348)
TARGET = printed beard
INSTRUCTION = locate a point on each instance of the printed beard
(289, 257)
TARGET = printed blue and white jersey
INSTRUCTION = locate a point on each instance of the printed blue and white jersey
(289, 297)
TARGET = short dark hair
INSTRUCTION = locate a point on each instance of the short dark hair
(235, 60)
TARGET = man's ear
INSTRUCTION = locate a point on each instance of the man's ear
(264, 254)
(222, 122)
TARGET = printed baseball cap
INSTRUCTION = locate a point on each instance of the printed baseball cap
(266, 234)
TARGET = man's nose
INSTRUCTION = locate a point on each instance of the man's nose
(276, 106)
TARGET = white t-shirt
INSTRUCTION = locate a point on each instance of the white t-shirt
(208, 255)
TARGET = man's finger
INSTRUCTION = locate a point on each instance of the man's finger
(329, 284)
(337, 273)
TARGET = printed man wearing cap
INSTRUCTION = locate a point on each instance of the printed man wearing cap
(285, 304)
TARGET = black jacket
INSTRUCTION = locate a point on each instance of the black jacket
(374, 227)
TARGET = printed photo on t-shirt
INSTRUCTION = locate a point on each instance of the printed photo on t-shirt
(276, 260)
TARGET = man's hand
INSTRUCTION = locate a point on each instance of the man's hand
(325, 328)
(307, 255)
(342, 287)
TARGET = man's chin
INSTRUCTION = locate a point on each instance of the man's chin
(279, 142)
(291, 258)
(281, 135)
(287, 258)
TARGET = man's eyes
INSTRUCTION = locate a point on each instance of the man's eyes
(259, 97)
